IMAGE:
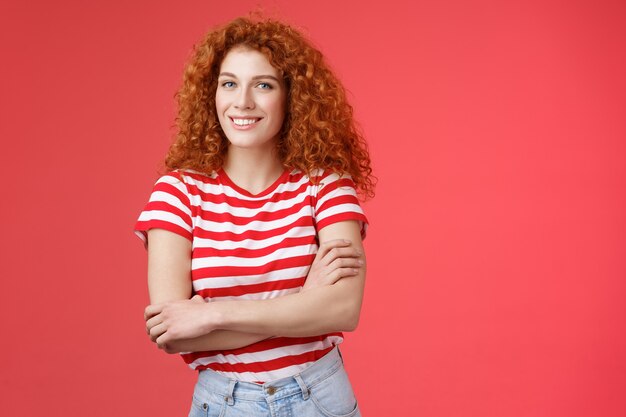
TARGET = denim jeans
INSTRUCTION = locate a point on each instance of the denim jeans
(321, 390)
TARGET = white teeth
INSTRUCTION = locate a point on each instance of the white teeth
(244, 122)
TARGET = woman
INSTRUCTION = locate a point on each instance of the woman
(255, 259)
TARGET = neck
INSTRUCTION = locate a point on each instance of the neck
(253, 170)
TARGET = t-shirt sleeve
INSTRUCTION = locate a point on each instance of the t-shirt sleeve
(168, 208)
(337, 201)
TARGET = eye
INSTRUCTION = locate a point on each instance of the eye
(265, 86)
(228, 84)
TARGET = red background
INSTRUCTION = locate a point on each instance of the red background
(497, 247)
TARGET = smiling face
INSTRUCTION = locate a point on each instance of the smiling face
(250, 99)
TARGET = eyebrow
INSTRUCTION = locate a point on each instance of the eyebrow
(256, 77)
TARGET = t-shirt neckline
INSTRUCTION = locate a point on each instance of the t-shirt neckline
(226, 180)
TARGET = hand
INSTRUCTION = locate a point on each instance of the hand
(335, 259)
(176, 320)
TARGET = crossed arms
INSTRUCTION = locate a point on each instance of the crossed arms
(330, 300)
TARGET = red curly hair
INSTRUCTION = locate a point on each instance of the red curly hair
(319, 129)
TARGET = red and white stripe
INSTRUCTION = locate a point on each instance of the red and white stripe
(252, 247)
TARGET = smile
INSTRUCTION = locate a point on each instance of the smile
(244, 122)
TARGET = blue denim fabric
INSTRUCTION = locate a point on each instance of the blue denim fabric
(321, 390)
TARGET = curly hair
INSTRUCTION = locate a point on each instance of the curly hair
(318, 132)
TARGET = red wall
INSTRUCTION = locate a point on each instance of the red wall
(497, 247)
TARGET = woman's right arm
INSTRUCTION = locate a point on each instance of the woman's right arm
(169, 279)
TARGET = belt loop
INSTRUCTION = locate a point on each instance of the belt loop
(305, 390)
(230, 394)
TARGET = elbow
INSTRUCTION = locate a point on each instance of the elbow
(351, 317)
(351, 325)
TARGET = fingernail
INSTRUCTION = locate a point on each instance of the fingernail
(346, 241)
(360, 262)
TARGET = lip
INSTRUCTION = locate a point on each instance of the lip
(244, 127)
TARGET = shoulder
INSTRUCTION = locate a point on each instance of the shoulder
(328, 181)
(322, 182)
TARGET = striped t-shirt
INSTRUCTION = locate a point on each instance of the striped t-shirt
(252, 247)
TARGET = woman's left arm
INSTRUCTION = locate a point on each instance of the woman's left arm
(316, 311)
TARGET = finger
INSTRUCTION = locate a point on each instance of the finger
(340, 273)
(152, 310)
(331, 251)
(329, 245)
(162, 341)
(346, 263)
(153, 322)
(157, 331)
(340, 253)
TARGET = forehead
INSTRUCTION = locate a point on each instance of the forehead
(247, 63)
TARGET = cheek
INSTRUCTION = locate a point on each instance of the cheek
(277, 108)
(220, 107)
(219, 103)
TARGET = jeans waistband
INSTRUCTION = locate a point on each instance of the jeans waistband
(232, 389)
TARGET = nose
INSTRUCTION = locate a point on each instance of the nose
(244, 99)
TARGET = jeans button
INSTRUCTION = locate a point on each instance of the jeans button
(271, 390)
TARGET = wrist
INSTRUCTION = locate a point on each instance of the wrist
(216, 316)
